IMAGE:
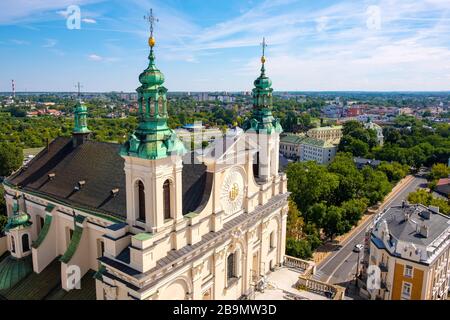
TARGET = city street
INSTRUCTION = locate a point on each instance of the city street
(340, 266)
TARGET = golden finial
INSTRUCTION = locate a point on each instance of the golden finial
(151, 42)
(151, 19)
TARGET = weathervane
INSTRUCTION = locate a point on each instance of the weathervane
(151, 20)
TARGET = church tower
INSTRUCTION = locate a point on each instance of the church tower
(153, 164)
(263, 128)
(80, 131)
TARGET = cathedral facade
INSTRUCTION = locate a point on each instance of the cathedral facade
(152, 219)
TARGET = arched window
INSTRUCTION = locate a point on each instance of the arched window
(256, 165)
(166, 200)
(231, 267)
(151, 105)
(141, 201)
(25, 243)
(13, 244)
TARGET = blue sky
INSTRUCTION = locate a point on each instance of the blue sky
(214, 45)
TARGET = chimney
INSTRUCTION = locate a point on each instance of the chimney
(423, 231)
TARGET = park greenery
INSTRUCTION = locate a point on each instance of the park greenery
(327, 201)
(409, 141)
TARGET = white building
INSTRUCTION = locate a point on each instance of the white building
(151, 220)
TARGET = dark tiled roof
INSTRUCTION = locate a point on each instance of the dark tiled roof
(101, 168)
(406, 230)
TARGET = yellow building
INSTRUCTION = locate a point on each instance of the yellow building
(408, 256)
(333, 133)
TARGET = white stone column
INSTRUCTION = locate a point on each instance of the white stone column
(197, 280)
(219, 273)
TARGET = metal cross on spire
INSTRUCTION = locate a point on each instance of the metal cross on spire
(264, 46)
(151, 20)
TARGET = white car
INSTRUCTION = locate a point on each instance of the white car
(358, 247)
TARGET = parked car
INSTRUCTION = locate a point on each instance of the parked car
(358, 247)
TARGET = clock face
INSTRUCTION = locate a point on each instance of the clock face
(232, 193)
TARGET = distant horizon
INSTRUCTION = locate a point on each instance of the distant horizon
(8, 93)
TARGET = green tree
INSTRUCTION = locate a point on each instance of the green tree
(317, 213)
(298, 248)
(377, 185)
(394, 171)
(333, 224)
(295, 223)
(11, 158)
(310, 183)
(354, 209)
(350, 179)
(438, 171)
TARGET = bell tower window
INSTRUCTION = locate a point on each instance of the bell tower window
(25, 243)
(13, 245)
(166, 201)
(141, 201)
(256, 165)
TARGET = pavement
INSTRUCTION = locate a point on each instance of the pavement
(340, 266)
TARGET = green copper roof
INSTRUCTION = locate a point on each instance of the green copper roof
(143, 236)
(152, 139)
(12, 270)
(262, 120)
(20, 220)
(80, 115)
(74, 242)
(44, 231)
(152, 76)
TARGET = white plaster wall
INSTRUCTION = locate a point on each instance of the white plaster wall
(3, 245)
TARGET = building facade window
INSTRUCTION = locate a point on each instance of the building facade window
(408, 271)
(231, 267)
(406, 290)
(141, 201)
(25, 243)
(272, 240)
(166, 200)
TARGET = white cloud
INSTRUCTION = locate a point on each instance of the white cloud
(20, 42)
(15, 11)
(89, 20)
(50, 43)
(95, 57)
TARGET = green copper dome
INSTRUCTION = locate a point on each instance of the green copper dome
(21, 220)
(151, 77)
(80, 115)
(12, 270)
(263, 82)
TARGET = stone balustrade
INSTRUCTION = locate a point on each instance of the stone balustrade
(307, 268)
(315, 286)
